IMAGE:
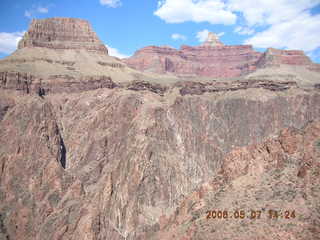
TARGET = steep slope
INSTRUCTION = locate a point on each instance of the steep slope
(132, 157)
(262, 192)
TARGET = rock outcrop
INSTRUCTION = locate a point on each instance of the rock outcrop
(275, 57)
(213, 59)
(62, 33)
(219, 61)
(212, 40)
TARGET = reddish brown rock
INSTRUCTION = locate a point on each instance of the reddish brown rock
(198, 88)
(274, 57)
(62, 33)
(140, 160)
(213, 59)
(255, 181)
(218, 61)
(117, 163)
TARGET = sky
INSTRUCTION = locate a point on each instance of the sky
(125, 26)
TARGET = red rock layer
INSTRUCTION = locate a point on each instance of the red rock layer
(276, 57)
(62, 33)
(219, 61)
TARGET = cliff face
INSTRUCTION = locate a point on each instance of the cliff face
(213, 59)
(218, 61)
(115, 163)
(112, 153)
(62, 33)
(276, 57)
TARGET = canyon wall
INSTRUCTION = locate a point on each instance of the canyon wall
(214, 59)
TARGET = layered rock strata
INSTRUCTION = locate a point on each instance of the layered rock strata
(218, 61)
(213, 59)
(116, 154)
(276, 57)
(62, 33)
(62, 55)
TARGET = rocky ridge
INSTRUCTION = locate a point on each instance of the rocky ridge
(218, 61)
(214, 59)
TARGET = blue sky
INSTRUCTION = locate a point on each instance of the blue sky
(127, 25)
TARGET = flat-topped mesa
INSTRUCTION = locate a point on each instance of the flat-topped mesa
(212, 40)
(62, 33)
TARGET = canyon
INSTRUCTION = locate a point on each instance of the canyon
(93, 147)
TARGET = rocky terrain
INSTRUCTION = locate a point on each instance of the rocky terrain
(113, 153)
(63, 55)
(214, 59)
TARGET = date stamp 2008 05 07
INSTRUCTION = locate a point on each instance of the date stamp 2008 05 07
(251, 214)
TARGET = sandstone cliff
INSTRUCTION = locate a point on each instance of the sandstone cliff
(62, 33)
(219, 61)
(214, 59)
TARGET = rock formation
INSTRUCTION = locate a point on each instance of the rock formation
(276, 57)
(62, 55)
(62, 33)
(212, 40)
(214, 59)
(219, 61)
(112, 153)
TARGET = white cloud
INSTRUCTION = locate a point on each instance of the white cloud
(288, 24)
(111, 3)
(178, 11)
(177, 36)
(9, 41)
(244, 30)
(34, 10)
(115, 52)
(302, 32)
(270, 11)
(203, 35)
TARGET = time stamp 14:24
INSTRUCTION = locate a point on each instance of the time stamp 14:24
(251, 214)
